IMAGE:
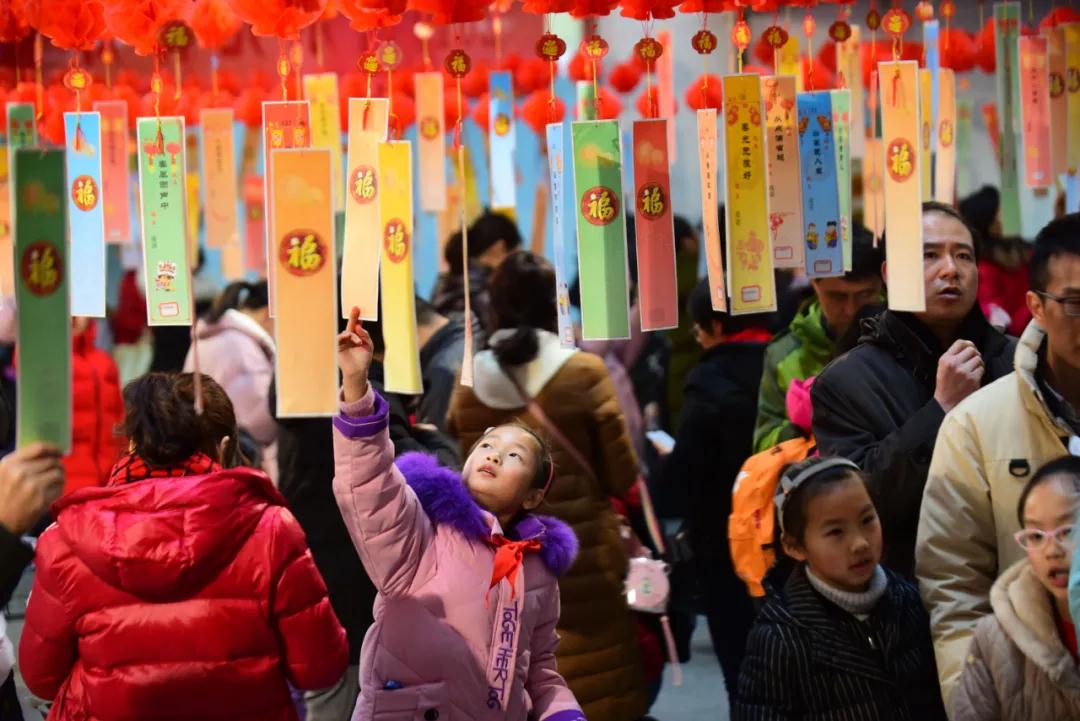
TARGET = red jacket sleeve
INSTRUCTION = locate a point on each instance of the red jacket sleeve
(47, 648)
(313, 645)
(129, 319)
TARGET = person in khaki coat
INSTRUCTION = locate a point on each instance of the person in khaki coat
(1022, 661)
(598, 654)
(989, 445)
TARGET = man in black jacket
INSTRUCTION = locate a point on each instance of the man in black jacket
(881, 404)
(714, 439)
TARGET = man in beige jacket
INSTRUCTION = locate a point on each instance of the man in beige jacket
(990, 444)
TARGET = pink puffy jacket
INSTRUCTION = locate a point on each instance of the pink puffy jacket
(441, 647)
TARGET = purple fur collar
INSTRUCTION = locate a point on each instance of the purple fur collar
(445, 499)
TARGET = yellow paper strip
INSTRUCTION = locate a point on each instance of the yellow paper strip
(1072, 89)
(1059, 103)
(790, 62)
(363, 237)
(900, 132)
(945, 163)
(402, 363)
(850, 51)
(746, 196)
(926, 122)
(706, 123)
(431, 140)
(322, 92)
(302, 248)
(221, 194)
(873, 189)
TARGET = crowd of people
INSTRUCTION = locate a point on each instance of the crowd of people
(464, 553)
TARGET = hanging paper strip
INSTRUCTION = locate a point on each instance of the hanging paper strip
(903, 177)
(841, 115)
(605, 313)
(993, 129)
(586, 101)
(501, 134)
(1007, 33)
(821, 203)
(1072, 89)
(86, 214)
(254, 225)
(785, 185)
(658, 295)
(665, 90)
(873, 189)
(21, 133)
(431, 140)
(193, 201)
(558, 233)
(750, 268)
(1035, 111)
(305, 327)
(964, 119)
(41, 298)
(402, 362)
(931, 62)
(945, 157)
(368, 121)
(1059, 104)
(286, 124)
(322, 92)
(849, 62)
(926, 122)
(790, 61)
(115, 172)
(710, 220)
(162, 196)
(220, 190)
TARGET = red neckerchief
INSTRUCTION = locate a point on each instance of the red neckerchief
(508, 558)
(132, 468)
(750, 335)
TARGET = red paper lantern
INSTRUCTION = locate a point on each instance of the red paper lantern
(740, 35)
(475, 83)
(279, 18)
(1059, 16)
(648, 102)
(543, 7)
(248, 106)
(446, 12)
(649, 9)
(704, 42)
(624, 77)
(138, 22)
(481, 113)
(706, 91)
(537, 111)
(608, 106)
(581, 68)
(691, 7)
(13, 25)
(816, 75)
(550, 47)
(451, 110)
(363, 17)
(214, 23)
(531, 74)
(593, 8)
(69, 24)
(957, 50)
(403, 112)
(924, 11)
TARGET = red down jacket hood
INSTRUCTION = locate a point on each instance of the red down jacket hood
(162, 537)
(193, 593)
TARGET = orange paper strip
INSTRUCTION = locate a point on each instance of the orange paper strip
(926, 122)
(115, 170)
(305, 327)
(665, 91)
(1059, 104)
(1035, 111)
(220, 194)
(785, 186)
(900, 107)
(368, 119)
(1072, 89)
(431, 140)
(945, 162)
(706, 122)
(285, 125)
(873, 189)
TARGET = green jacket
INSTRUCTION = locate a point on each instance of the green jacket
(800, 352)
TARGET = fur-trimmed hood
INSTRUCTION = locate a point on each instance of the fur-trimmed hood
(446, 501)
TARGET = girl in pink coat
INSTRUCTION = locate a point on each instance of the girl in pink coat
(467, 576)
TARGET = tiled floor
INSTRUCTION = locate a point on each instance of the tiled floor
(702, 696)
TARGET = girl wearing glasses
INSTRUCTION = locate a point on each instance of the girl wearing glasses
(1023, 659)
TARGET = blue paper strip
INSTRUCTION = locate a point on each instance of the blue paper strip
(821, 204)
(933, 62)
(556, 162)
(501, 135)
(82, 133)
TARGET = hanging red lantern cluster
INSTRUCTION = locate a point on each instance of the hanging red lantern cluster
(539, 109)
(279, 18)
(447, 12)
(69, 24)
(707, 91)
(138, 23)
(13, 24)
(214, 23)
(364, 15)
(649, 9)
(624, 77)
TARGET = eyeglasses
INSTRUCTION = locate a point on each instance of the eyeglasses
(1070, 305)
(1032, 539)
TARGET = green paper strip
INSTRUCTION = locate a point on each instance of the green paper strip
(1007, 34)
(601, 226)
(21, 129)
(841, 110)
(586, 100)
(162, 202)
(42, 298)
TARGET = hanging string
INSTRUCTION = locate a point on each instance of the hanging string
(595, 89)
(106, 60)
(176, 73)
(776, 50)
(319, 58)
(551, 73)
(283, 69)
(704, 64)
(297, 59)
(39, 82)
(215, 82)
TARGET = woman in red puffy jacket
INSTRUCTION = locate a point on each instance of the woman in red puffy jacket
(183, 589)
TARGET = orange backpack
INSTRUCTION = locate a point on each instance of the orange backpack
(751, 526)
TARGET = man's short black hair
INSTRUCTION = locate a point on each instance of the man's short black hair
(1060, 236)
(935, 206)
(865, 258)
(699, 308)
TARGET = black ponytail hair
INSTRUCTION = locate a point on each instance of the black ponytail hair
(522, 298)
(239, 295)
